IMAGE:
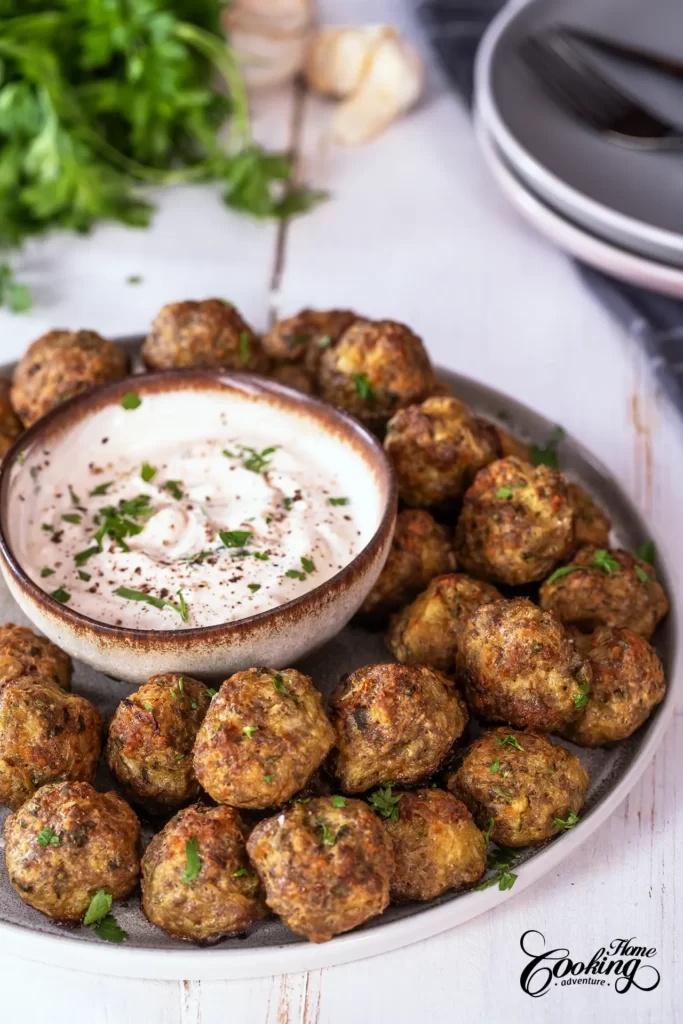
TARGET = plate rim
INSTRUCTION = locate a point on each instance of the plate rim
(529, 165)
(232, 964)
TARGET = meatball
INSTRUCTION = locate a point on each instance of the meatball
(66, 843)
(606, 588)
(628, 683)
(304, 337)
(437, 449)
(45, 735)
(59, 365)
(151, 738)
(516, 523)
(24, 653)
(293, 376)
(426, 631)
(591, 525)
(202, 334)
(394, 724)
(436, 845)
(225, 895)
(10, 426)
(264, 737)
(376, 368)
(421, 549)
(325, 865)
(511, 445)
(518, 665)
(527, 786)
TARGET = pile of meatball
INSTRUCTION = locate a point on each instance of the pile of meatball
(508, 614)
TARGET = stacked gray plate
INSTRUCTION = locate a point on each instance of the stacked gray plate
(624, 204)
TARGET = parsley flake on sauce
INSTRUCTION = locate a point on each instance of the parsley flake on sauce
(174, 488)
(254, 587)
(61, 595)
(337, 501)
(131, 400)
(156, 602)
(46, 572)
(234, 538)
(147, 472)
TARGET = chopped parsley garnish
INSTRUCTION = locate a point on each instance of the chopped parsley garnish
(486, 832)
(210, 692)
(279, 684)
(133, 279)
(239, 872)
(131, 400)
(384, 803)
(363, 386)
(647, 552)
(75, 500)
(603, 560)
(116, 525)
(174, 488)
(82, 556)
(500, 861)
(338, 801)
(249, 730)
(46, 572)
(308, 564)
(109, 930)
(581, 698)
(254, 587)
(245, 347)
(71, 517)
(504, 492)
(337, 501)
(147, 472)
(101, 489)
(101, 921)
(99, 907)
(193, 862)
(328, 838)
(288, 502)
(84, 575)
(46, 837)
(179, 757)
(571, 820)
(294, 574)
(495, 767)
(547, 454)
(156, 602)
(325, 341)
(47, 527)
(61, 595)
(262, 556)
(641, 574)
(564, 570)
(234, 538)
(148, 707)
(252, 459)
(509, 741)
(268, 778)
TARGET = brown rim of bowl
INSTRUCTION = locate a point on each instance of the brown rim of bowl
(73, 410)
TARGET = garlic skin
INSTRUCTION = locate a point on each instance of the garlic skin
(378, 75)
(271, 38)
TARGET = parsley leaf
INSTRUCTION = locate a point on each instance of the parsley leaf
(495, 767)
(109, 930)
(509, 741)
(249, 730)
(16, 296)
(193, 862)
(279, 684)
(308, 564)
(61, 595)
(294, 574)
(571, 820)
(603, 560)
(156, 602)
(99, 907)
(131, 400)
(234, 538)
(147, 472)
(337, 501)
(504, 492)
(564, 570)
(46, 572)
(581, 698)
(384, 803)
(71, 517)
(46, 837)
(647, 552)
(641, 574)
(245, 348)
(239, 872)
(363, 386)
(101, 489)
(338, 801)
(254, 587)
(174, 488)
(547, 454)
(329, 839)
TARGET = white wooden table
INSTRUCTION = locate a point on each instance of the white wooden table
(416, 231)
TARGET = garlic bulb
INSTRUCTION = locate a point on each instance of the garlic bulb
(271, 38)
(378, 75)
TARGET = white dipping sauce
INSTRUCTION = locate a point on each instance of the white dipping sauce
(237, 506)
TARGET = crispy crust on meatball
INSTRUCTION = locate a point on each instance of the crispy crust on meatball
(202, 334)
(97, 847)
(293, 376)
(376, 368)
(590, 596)
(533, 785)
(224, 898)
(437, 449)
(516, 523)
(45, 735)
(303, 338)
(420, 550)
(264, 737)
(24, 653)
(394, 724)
(518, 665)
(151, 738)
(326, 868)
(436, 844)
(10, 425)
(591, 525)
(426, 631)
(59, 365)
(628, 683)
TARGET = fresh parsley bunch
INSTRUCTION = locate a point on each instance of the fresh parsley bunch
(99, 98)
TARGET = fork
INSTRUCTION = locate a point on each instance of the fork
(577, 85)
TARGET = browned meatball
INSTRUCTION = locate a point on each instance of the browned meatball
(393, 724)
(606, 588)
(518, 665)
(303, 338)
(591, 525)
(628, 683)
(66, 843)
(436, 845)
(10, 426)
(376, 368)
(516, 523)
(426, 631)
(45, 735)
(530, 788)
(511, 445)
(202, 334)
(325, 865)
(223, 897)
(264, 737)
(293, 376)
(59, 365)
(151, 738)
(421, 549)
(437, 449)
(24, 653)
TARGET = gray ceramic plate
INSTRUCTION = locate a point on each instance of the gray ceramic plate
(270, 948)
(630, 197)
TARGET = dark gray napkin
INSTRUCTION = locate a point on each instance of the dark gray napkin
(455, 28)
